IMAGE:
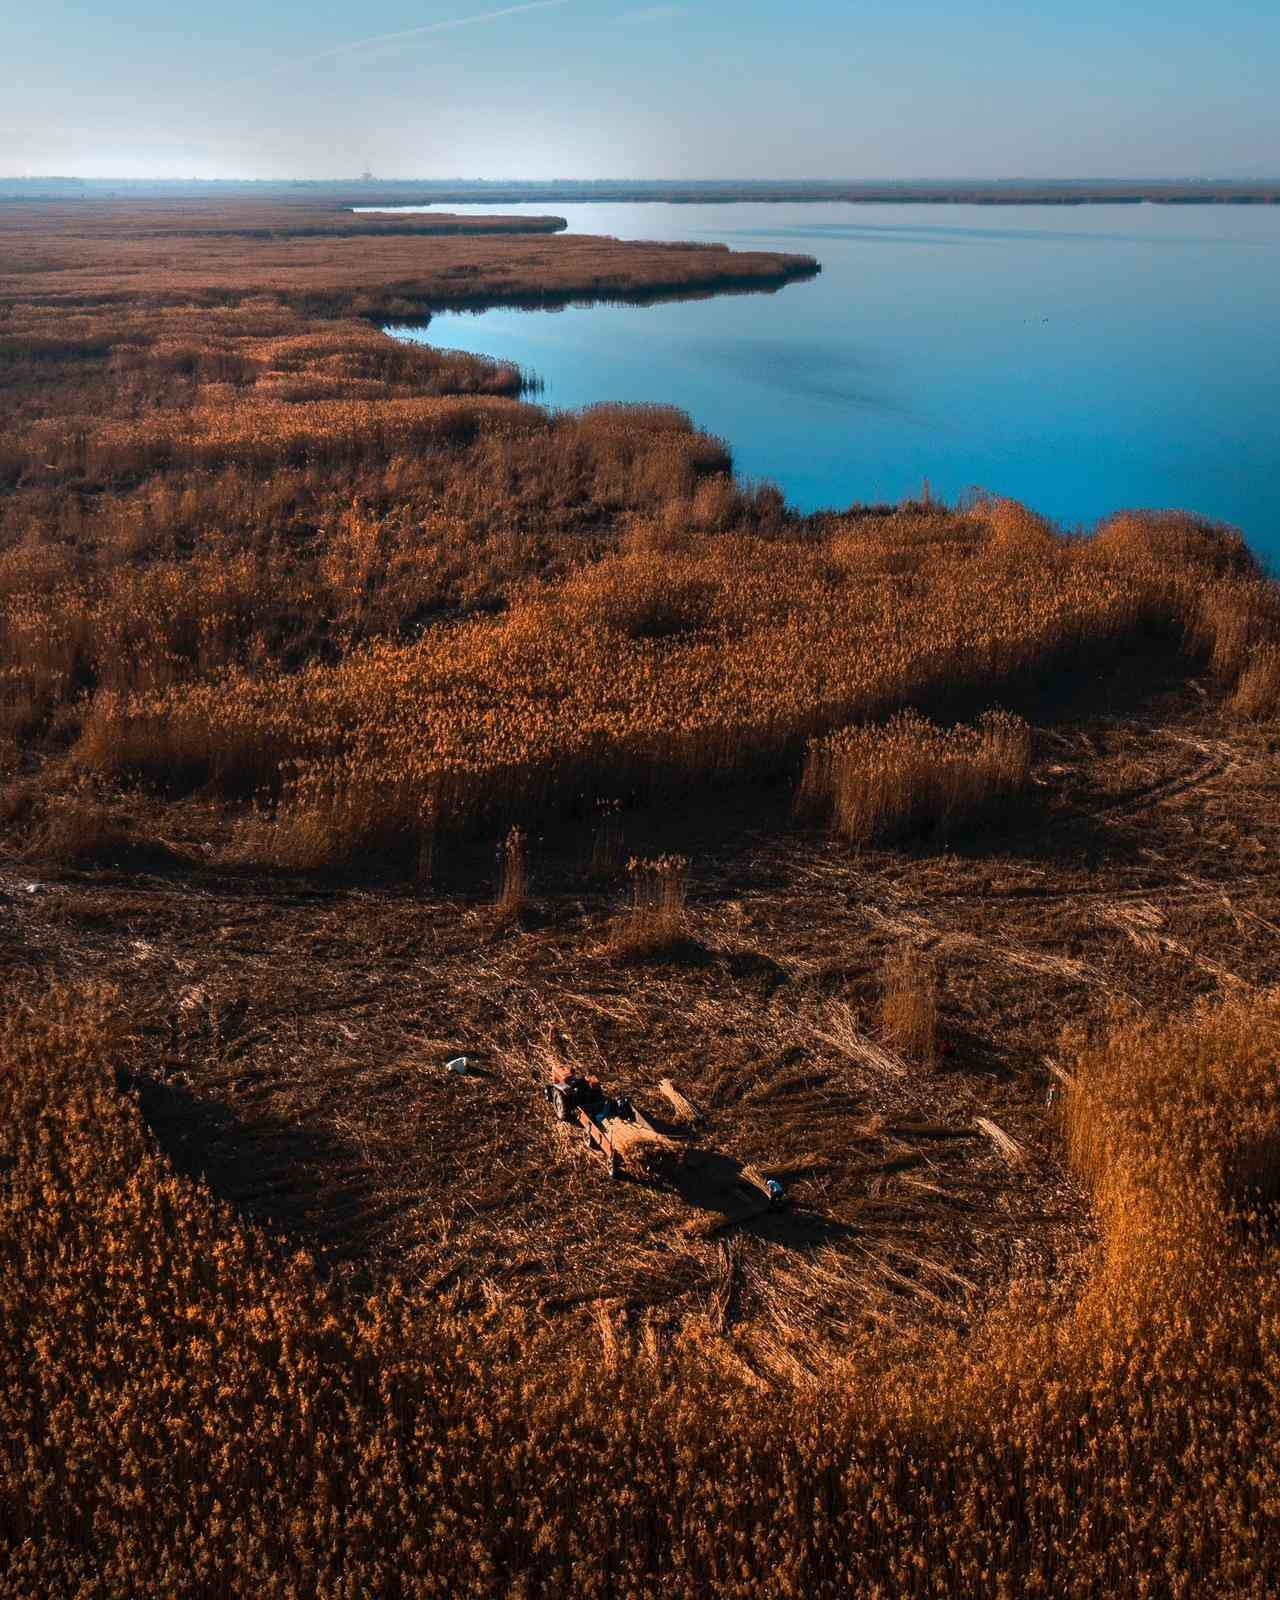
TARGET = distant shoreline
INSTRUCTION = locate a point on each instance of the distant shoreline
(405, 192)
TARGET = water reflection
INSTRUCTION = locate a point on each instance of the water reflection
(1077, 359)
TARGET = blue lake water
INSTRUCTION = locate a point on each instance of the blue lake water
(1082, 359)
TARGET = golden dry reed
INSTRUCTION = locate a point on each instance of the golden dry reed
(909, 1006)
(356, 595)
(322, 598)
(513, 894)
(189, 1408)
(656, 919)
(638, 673)
(1257, 694)
(879, 783)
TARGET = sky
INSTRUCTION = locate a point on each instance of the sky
(618, 89)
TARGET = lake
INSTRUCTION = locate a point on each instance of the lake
(1082, 359)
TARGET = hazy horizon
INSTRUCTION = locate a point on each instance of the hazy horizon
(603, 89)
(636, 179)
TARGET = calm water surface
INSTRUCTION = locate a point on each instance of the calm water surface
(1082, 359)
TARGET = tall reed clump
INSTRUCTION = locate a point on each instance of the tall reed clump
(1233, 622)
(78, 828)
(1257, 693)
(607, 840)
(655, 923)
(1176, 539)
(513, 862)
(910, 775)
(1014, 530)
(909, 1006)
(1176, 1127)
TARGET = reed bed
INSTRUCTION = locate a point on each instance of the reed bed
(255, 545)
(881, 783)
(261, 434)
(370, 269)
(490, 722)
(1176, 1126)
(1235, 619)
(145, 1327)
(1014, 530)
(1177, 539)
(338, 600)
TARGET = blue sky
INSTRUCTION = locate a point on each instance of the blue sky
(604, 88)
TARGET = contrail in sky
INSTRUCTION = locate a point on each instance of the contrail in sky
(410, 33)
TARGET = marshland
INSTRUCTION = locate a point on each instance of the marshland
(358, 713)
(1080, 358)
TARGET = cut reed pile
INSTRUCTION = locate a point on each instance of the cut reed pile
(646, 1150)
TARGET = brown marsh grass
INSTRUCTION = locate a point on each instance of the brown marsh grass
(557, 701)
(389, 268)
(1014, 529)
(326, 599)
(882, 782)
(909, 1006)
(656, 922)
(148, 1327)
(1234, 621)
(1175, 538)
(1257, 694)
(513, 861)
